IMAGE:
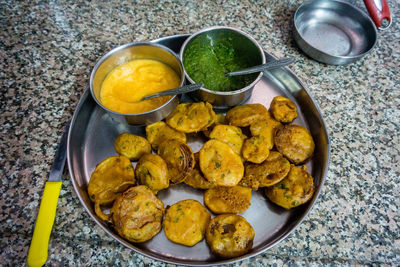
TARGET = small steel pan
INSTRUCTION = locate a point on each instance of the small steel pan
(333, 32)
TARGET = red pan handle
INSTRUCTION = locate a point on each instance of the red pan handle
(381, 17)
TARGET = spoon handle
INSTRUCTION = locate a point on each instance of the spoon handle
(176, 91)
(271, 65)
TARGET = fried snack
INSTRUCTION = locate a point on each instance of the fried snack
(265, 129)
(179, 158)
(229, 235)
(137, 214)
(186, 221)
(191, 117)
(268, 173)
(218, 119)
(283, 109)
(111, 177)
(159, 131)
(131, 146)
(223, 199)
(229, 134)
(296, 189)
(255, 149)
(151, 170)
(196, 179)
(220, 164)
(294, 142)
(245, 115)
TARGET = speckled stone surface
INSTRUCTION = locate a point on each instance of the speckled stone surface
(47, 51)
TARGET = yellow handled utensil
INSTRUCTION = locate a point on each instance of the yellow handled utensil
(37, 255)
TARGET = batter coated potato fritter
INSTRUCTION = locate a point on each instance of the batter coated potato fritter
(229, 134)
(131, 146)
(137, 214)
(186, 221)
(111, 177)
(268, 173)
(296, 189)
(283, 109)
(232, 199)
(218, 119)
(151, 170)
(191, 117)
(220, 164)
(245, 115)
(159, 131)
(294, 142)
(255, 149)
(179, 158)
(266, 130)
(229, 235)
(195, 178)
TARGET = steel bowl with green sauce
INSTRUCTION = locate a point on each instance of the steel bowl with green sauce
(210, 54)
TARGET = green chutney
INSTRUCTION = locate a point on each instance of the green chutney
(208, 63)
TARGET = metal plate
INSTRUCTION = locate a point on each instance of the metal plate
(93, 132)
(333, 32)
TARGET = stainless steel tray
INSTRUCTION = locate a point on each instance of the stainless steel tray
(93, 132)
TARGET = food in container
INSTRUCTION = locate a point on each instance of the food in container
(159, 131)
(228, 199)
(229, 235)
(124, 87)
(111, 177)
(295, 189)
(186, 222)
(294, 142)
(179, 158)
(220, 164)
(152, 171)
(137, 214)
(131, 146)
(283, 109)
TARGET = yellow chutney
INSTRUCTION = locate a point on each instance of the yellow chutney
(127, 84)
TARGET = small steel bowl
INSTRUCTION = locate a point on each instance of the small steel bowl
(128, 52)
(243, 43)
(333, 32)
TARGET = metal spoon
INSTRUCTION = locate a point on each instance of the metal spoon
(176, 91)
(267, 66)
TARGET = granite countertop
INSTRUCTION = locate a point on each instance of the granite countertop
(47, 51)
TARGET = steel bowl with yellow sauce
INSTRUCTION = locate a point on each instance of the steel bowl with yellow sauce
(126, 74)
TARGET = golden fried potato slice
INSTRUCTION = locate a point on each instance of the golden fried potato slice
(245, 115)
(111, 177)
(220, 164)
(274, 123)
(186, 221)
(268, 173)
(159, 131)
(131, 146)
(137, 214)
(265, 129)
(229, 134)
(283, 109)
(229, 235)
(179, 158)
(255, 149)
(196, 179)
(224, 199)
(191, 117)
(294, 142)
(151, 170)
(218, 119)
(296, 189)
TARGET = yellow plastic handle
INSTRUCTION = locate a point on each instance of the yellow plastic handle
(37, 255)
